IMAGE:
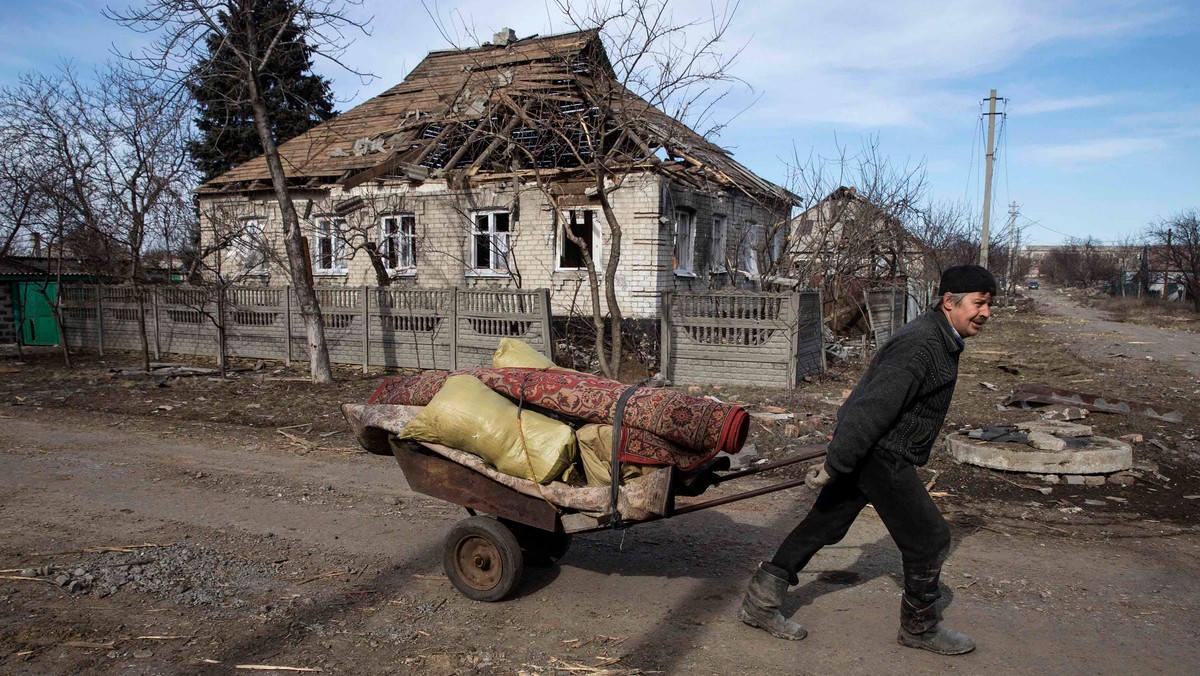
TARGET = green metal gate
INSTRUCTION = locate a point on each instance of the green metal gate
(35, 314)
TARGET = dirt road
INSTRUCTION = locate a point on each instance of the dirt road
(1099, 337)
(254, 531)
(227, 546)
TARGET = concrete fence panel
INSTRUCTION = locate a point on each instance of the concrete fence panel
(400, 328)
(739, 338)
(484, 317)
(411, 328)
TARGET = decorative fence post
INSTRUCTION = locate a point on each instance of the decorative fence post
(794, 339)
(100, 318)
(157, 326)
(366, 318)
(546, 326)
(287, 325)
(454, 329)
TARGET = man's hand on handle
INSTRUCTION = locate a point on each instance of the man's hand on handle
(818, 476)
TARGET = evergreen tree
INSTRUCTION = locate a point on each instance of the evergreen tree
(296, 98)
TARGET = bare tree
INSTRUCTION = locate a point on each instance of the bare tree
(858, 218)
(617, 112)
(184, 28)
(1178, 238)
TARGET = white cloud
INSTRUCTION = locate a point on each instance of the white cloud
(1093, 151)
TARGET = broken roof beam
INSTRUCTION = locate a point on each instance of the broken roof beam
(387, 166)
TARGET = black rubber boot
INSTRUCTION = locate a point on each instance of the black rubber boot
(760, 608)
(919, 628)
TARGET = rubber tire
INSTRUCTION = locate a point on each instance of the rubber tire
(541, 548)
(482, 558)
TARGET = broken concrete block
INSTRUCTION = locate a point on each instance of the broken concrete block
(1093, 480)
(1044, 441)
(1074, 413)
(1057, 428)
(1074, 480)
(1132, 438)
(1051, 479)
(1122, 479)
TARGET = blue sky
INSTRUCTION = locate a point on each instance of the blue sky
(1102, 134)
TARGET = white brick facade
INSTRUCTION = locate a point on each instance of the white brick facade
(645, 210)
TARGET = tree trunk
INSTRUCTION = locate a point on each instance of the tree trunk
(613, 367)
(298, 263)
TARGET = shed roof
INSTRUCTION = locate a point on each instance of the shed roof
(535, 104)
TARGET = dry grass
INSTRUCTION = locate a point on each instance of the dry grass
(1146, 311)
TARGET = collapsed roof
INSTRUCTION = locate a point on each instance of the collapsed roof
(541, 104)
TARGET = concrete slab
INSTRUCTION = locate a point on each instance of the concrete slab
(1100, 455)
(1056, 427)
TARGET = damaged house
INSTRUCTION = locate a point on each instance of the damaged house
(507, 165)
(846, 244)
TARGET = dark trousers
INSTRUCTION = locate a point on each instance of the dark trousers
(904, 506)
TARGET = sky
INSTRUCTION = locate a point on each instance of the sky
(1100, 137)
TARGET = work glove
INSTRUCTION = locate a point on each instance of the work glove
(818, 476)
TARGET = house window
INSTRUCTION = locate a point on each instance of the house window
(329, 252)
(398, 242)
(582, 224)
(489, 241)
(749, 250)
(685, 241)
(718, 244)
(248, 249)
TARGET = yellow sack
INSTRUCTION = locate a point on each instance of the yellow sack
(468, 415)
(595, 450)
(513, 353)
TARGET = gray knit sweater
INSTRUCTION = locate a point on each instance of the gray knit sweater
(900, 403)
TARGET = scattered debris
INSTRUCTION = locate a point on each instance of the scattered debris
(1028, 394)
(989, 386)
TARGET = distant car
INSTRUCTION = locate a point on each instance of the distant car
(1032, 284)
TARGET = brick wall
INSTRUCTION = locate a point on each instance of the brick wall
(644, 206)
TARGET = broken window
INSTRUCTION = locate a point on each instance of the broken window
(398, 242)
(717, 264)
(749, 250)
(582, 224)
(489, 241)
(248, 250)
(329, 249)
(685, 241)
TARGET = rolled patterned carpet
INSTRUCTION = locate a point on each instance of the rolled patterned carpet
(661, 426)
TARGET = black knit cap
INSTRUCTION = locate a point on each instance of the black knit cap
(967, 279)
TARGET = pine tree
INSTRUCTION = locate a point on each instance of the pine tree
(296, 98)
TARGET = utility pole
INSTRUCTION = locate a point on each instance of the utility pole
(1012, 248)
(987, 182)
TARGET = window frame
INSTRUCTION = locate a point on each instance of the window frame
(747, 253)
(399, 237)
(595, 246)
(249, 239)
(337, 245)
(685, 248)
(720, 240)
(495, 253)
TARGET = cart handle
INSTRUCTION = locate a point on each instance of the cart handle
(811, 455)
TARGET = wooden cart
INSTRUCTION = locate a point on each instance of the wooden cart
(485, 556)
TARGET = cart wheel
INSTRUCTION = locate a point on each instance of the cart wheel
(541, 547)
(482, 558)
